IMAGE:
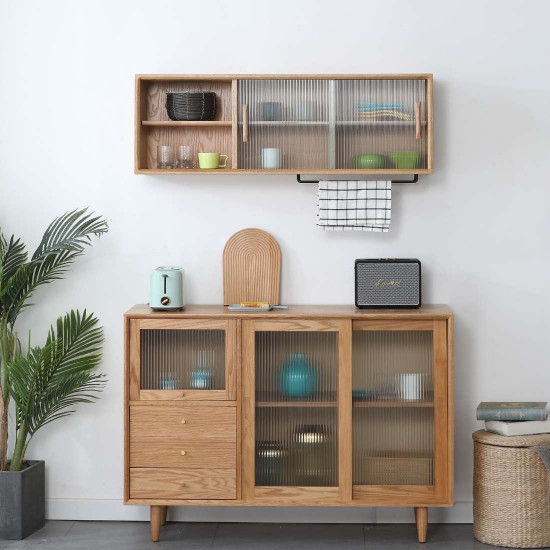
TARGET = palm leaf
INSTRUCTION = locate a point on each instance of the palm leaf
(72, 231)
(12, 256)
(63, 241)
(48, 382)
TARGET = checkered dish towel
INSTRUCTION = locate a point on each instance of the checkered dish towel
(354, 205)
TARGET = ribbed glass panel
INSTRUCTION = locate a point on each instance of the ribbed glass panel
(288, 124)
(393, 415)
(333, 124)
(378, 117)
(296, 409)
(182, 359)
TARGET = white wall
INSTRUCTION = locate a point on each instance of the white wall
(479, 224)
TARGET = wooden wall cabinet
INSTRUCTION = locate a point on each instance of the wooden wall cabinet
(318, 123)
(312, 406)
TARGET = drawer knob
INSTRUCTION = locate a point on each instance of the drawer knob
(183, 484)
(183, 421)
(183, 453)
(183, 394)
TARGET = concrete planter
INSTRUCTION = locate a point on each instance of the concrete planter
(22, 501)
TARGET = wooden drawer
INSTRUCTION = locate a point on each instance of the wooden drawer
(161, 422)
(188, 454)
(159, 438)
(181, 483)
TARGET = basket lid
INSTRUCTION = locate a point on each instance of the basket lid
(489, 438)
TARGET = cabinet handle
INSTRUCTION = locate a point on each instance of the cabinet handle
(183, 421)
(418, 117)
(183, 485)
(183, 453)
(245, 122)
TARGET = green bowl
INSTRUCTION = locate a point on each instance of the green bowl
(405, 160)
(370, 161)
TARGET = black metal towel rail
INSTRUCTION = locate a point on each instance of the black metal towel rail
(414, 180)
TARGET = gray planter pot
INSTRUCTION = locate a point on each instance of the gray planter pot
(22, 501)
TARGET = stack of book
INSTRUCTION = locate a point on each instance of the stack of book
(509, 418)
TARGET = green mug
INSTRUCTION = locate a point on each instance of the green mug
(211, 161)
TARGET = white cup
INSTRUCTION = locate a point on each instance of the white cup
(304, 110)
(411, 386)
(271, 158)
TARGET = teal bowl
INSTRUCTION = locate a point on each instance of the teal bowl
(405, 160)
(370, 161)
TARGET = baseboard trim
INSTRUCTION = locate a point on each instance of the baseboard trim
(114, 510)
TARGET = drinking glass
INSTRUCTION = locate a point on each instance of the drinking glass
(185, 157)
(165, 156)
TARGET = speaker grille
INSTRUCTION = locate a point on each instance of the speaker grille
(388, 284)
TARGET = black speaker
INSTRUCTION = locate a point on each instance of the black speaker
(388, 283)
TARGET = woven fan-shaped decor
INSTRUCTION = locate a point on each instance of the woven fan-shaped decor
(251, 268)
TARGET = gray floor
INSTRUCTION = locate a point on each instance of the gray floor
(99, 535)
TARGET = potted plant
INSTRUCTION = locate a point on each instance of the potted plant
(48, 380)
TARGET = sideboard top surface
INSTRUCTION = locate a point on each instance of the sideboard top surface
(429, 311)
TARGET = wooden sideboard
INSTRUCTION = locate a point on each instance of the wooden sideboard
(310, 406)
(336, 124)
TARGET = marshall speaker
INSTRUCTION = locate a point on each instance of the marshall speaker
(387, 283)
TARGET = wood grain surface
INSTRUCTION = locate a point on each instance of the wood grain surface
(251, 268)
(176, 483)
(345, 311)
(183, 423)
(199, 453)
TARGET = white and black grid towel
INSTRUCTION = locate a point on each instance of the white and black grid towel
(354, 205)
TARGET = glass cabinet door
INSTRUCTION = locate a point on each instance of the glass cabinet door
(182, 359)
(284, 124)
(399, 397)
(340, 124)
(291, 392)
(381, 124)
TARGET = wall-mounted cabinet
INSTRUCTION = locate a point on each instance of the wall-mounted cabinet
(291, 124)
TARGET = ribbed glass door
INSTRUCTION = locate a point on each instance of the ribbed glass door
(316, 124)
(183, 359)
(393, 379)
(381, 124)
(284, 124)
(296, 414)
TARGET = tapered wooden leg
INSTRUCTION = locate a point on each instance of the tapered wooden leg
(156, 517)
(163, 517)
(421, 516)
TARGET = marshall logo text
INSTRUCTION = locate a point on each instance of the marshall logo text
(392, 283)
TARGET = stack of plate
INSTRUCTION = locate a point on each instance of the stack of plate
(191, 105)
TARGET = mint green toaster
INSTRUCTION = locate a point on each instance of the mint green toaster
(166, 288)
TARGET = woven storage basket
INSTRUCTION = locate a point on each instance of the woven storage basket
(511, 500)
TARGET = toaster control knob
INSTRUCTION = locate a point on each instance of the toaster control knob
(165, 300)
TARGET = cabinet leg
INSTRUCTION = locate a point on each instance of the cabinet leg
(163, 516)
(156, 518)
(421, 517)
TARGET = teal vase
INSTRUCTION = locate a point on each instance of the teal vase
(298, 377)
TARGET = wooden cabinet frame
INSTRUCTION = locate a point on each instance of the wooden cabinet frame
(138, 394)
(303, 495)
(222, 134)
(240, 393)
(416, 495)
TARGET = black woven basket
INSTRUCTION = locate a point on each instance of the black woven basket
(191, 105)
